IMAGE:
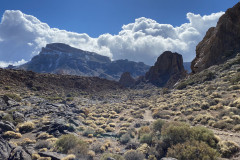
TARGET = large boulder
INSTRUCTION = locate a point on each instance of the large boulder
(126, 80)
(167, 70)
(5, 149)
(220, 43)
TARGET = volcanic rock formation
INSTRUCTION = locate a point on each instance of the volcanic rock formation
(220, 43)
(126, 80)
(167, 70)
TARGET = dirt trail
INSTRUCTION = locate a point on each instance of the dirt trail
(148, 116)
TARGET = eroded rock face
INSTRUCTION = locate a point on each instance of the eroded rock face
(126, 80)
(220, 43)
(167, 70)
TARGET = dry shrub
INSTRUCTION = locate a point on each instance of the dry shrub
(11, 134)
(228, 148)
(26, 127)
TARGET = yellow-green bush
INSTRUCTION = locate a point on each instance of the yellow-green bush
(146, 138)
(175, 132)
(71, 144)
(26, 127)
(193, 150)
(200, 133)
(11, 134)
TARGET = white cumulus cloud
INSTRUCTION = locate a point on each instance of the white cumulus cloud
(22, 36)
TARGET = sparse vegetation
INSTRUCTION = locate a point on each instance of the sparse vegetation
(145, 123)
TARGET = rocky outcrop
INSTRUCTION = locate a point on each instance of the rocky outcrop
(220, 43)
(59, 58)
(126, 80)
(5, 149)
(19, 153)
(167, 70)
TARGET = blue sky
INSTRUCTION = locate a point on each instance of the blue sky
(96, 17)
(138, 30)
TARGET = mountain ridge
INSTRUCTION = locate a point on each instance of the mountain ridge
(59, 58)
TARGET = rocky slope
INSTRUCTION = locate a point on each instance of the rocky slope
(220, 43)
(167, 70)
(60, 58)
(45, 83)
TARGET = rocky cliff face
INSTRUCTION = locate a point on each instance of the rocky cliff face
(60, 58)
(167, 70)
(220, 43)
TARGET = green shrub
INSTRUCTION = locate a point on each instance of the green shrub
(192, 150)
(107, 156)
(146, 138)
(157, 125)
(175, 132)
(71, 144)
(133, 155)
(200, 133)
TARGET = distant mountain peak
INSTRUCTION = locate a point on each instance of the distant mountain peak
(60, 58)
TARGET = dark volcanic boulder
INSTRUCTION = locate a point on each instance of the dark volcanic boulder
(167, 70)
(19, 154)
(6, 126)
(5, 149)
(126, 80)
(220, 43)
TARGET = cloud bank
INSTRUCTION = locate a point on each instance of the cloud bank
(22, 36)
